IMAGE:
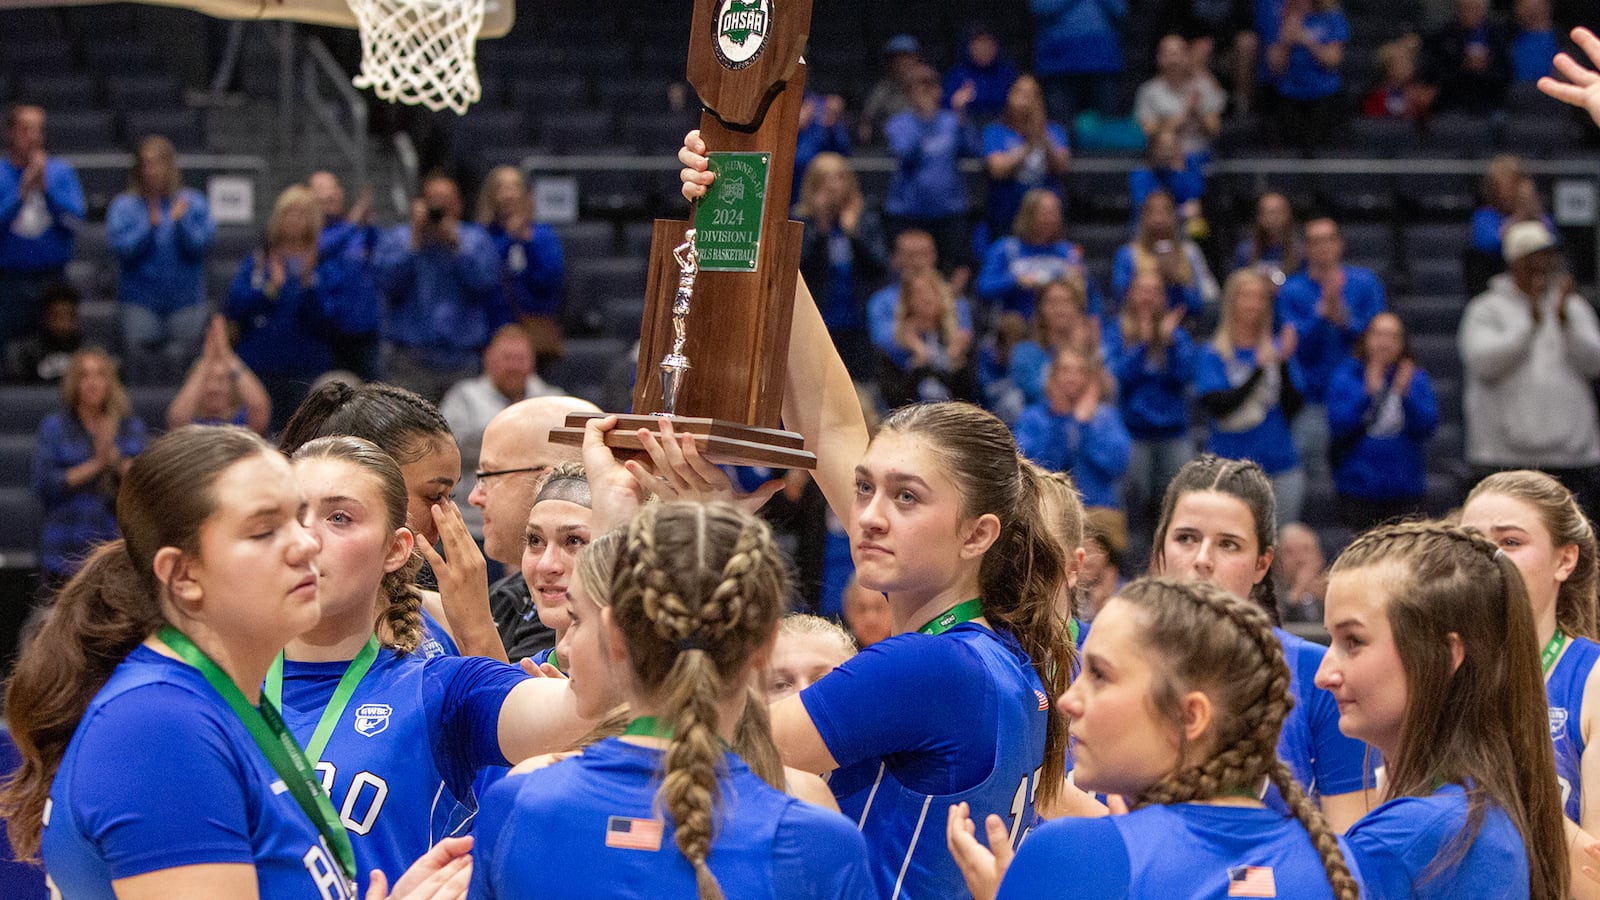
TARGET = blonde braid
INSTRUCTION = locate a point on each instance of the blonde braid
(402, 615)
(701, 633)
(1322, 837)
(1261, 703)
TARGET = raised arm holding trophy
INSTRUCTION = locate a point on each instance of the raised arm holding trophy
(714, 341)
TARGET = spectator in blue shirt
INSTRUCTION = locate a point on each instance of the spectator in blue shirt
(439, 276)
(937, 349)
(822, 130)
(914, 251)
(1304, 55)
(1152, 358)
(1249, 386)
(1274, 241)
(1381, 410)
(1167, 169)
(350, 235)
(1158, 246)
(1076, 430)
(533, 266)
(1017, 268)
(1533, 45)
(982, 66)
(1509, 196)
(927, 189)
(1022, 151)
(41, 206)
(1062, 320)
(79, 459)
(1329, 304)
(841, 256)
(161, 232)
(1078, 54)
(287, 302)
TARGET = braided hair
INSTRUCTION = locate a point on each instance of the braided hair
(1480, 721)
(1223, 644)
(696, 591)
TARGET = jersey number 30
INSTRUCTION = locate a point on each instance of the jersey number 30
(364, 788)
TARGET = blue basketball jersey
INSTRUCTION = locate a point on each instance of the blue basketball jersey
(592, 826)
(1187, 851)
(1322, 760)
(1394, 847)
(402, 758)
(919, 722)
(160, 774)
(1564, 687)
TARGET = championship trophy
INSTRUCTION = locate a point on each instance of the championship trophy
(713, 346)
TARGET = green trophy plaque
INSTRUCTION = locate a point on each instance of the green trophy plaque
(727, 221)
(714, 343)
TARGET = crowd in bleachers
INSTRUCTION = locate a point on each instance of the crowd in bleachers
(1121, 325)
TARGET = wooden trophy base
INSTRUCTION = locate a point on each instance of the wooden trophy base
(719, 440)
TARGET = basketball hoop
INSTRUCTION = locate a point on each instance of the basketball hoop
(420, 51)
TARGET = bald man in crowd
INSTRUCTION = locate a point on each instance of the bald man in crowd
(516, 455)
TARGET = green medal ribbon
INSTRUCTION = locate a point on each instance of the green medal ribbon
(1552, 650)
(955, 615)
(336, 706)
(648, 726)
(277, 744)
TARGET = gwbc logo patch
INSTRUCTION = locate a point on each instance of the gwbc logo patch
(372, 718)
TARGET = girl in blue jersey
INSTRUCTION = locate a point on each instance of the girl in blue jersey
(410, 429)
(149, 770)
(946, 521)
(398, 738)
(1183, 692)
(1216, 525)
(1539, 524)
(696, 594)
(1434, 661)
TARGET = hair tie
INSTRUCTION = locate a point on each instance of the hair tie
(1499, 554)
(693, 642)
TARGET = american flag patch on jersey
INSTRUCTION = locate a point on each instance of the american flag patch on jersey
(1044, 699)
(645, 834)
(1251, 881)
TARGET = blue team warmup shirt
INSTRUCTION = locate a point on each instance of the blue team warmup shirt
(1190, 851)
(919, 722)
(585, 827)
(1322, 759)
(401, 761)
(1564, 687)
(162, 774)
(1395, 844)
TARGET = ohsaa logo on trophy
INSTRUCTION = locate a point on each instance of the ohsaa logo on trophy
(742, 28)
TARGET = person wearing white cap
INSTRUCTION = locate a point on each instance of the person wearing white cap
(1530, 345)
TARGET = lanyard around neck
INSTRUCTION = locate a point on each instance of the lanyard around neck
(955, 615)
(277, 745)
(341, 695)
(1552, 650)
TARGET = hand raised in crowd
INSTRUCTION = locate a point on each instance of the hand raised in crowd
(361, 212)
(33, 175)
(963, 97)
(1088, 402)
(982, 867)
(180, 207)
(1403, 373)
(1169, 324)
(1288, 342)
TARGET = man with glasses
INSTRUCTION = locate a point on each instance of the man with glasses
(516, 455)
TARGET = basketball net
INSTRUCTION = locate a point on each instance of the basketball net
(420, 51)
